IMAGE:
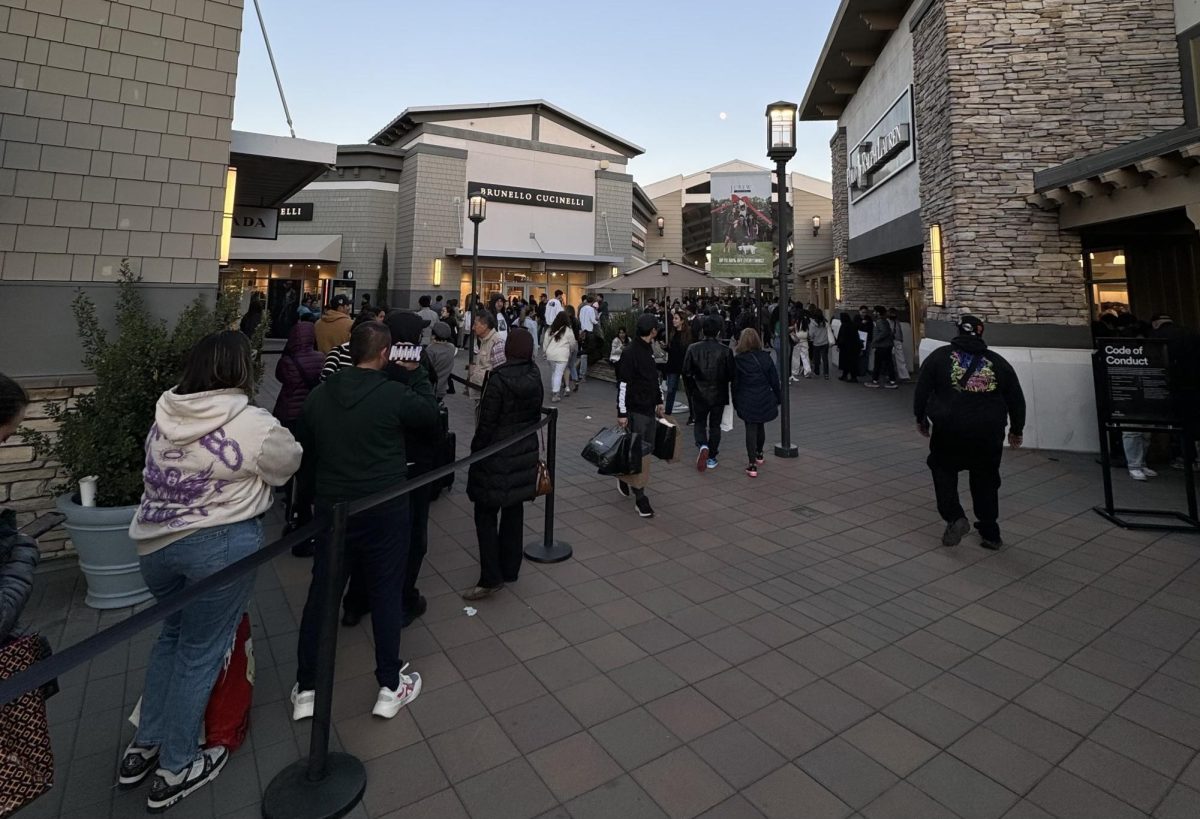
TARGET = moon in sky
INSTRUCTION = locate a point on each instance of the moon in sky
(722, 115)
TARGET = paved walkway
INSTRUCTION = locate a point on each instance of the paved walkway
(799, 645)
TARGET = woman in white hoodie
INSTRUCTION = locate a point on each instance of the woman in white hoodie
(211, 463)
(560, 338)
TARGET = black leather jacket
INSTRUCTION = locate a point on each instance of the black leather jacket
(708, 372)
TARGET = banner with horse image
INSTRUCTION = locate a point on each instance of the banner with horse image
(743, 225)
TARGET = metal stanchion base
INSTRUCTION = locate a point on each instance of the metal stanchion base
(539, 552)
(291, 795)
(789, 451)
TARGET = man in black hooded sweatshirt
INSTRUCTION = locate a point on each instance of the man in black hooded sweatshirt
(970, 394)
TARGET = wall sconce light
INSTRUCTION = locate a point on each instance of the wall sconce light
(837, 279)
(816, 223)
(437, 272)
(661, 223)
(616, 271)
(936, 265)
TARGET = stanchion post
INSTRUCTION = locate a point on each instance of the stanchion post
(324, 786)
(549, 551)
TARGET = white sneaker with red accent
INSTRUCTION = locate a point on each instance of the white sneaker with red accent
(390, 701)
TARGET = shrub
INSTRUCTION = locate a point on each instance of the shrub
(104, 433)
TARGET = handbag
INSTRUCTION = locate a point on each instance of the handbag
(227, 717)
(26, 760)
(544, 485)
(667, 442)
(603, 446)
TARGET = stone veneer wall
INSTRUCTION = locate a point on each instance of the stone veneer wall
(861, 283)
(27, 483)
(1005, 88)
(614, 196)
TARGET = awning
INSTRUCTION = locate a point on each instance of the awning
(271, 169)
(1146, 176)
(288, 248)
(651, 277)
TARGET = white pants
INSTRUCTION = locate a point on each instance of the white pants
(800, 359)
(898, 357)
(558, 370)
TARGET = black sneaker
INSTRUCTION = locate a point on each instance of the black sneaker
(623, 488)
(643, 507)
(955, 531)
(415, 612)
(991, 543)
(136, 765)
(169, 788)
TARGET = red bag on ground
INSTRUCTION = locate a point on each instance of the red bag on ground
(227, 718)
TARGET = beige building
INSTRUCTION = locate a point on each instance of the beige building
(684, 211)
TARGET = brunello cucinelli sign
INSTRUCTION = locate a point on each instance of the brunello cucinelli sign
(301, 212)
(885, 149)
(530, 196)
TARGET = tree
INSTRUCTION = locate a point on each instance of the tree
(381, 296)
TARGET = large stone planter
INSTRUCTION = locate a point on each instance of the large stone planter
(107, 556)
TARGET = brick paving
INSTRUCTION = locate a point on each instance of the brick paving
(799, 645)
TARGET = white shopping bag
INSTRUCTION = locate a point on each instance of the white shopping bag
(727, 415)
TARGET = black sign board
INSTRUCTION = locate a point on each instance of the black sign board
(302, 212)
(530, 196)
(1134, 380)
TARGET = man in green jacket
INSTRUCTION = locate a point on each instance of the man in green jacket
(352, 430)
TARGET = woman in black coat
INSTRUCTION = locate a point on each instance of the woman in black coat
(18, 554)
(756, 394)
(849, 349)
(500, 485)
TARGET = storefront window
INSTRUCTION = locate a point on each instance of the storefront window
(1108, 289)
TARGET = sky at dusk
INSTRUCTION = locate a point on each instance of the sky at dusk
(658, 74)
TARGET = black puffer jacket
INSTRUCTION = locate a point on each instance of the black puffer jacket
(511, 402)
(18, 558)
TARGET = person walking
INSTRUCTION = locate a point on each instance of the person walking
(756, 395)
(589, 321)
(969, 394)
(559, 341)
(799, 334)
(677, 347)
(849, 345)
(639, 399)
(573, 373)
(881, 342)
(353, 431)
(708, 373)
(502, 484)
(819, 336)
(212, 461)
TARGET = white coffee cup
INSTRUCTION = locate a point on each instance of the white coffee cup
(87, 490)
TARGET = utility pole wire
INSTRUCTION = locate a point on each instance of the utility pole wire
(274, 69)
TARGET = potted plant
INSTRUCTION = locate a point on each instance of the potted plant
(103, 434)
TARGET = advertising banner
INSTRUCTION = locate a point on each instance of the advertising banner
(743, 226)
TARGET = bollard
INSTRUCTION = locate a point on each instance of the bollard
(549, 551)
(326, 785)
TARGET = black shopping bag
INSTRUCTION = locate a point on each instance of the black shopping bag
(666, 440)
(603, 446)
(614, 451)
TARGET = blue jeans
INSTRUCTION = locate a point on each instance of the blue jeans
(672, 388)
(192, 644)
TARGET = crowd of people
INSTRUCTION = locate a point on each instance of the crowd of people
(361, 409)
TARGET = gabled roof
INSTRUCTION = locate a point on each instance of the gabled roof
(411, 118)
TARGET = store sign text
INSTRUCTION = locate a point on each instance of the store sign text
(255, 223)
(872, 156)
(530, 196)
(302, 212)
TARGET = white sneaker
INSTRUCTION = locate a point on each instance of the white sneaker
(303, 703)
(1150, 473)
(389, 702)
(1139, 475)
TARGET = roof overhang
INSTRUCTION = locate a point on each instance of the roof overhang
(271, 169)
(860, 30)
(289, 247)
(643, 203)
(1146, 176)
(412, 118)
(540, 257)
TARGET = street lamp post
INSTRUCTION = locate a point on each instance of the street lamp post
(781, 146)
(476, 212)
